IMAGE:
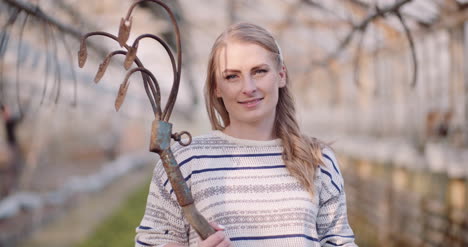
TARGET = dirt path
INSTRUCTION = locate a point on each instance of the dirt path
(80, 221)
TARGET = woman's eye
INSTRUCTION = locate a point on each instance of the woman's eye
(230, 77)
(260, 71)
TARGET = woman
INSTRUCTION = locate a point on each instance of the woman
(256, 177)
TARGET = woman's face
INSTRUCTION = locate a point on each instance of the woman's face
(248, 81)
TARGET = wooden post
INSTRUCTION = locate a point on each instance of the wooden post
(457, 193)
(400, 179)
(465, 69)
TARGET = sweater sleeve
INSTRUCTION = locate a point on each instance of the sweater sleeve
(163, 221)
(332, 220)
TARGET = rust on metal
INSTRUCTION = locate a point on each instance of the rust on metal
(161, 143)
(124, 30)
(121, 95)
(131, 55)
(192, 215)
(102, 69)
(160, 136)
(181, 190)
(178, 138)
(82, 54)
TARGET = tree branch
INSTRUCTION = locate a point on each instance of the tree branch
(37, 12)
(363, 25)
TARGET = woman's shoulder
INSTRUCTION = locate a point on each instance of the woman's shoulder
(329, 172)
(330, 161)
(328, 157)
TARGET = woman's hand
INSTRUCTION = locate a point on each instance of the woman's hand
(219, 239)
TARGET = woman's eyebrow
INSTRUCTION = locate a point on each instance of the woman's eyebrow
(238, 71)
(263, 65)
(230, 71)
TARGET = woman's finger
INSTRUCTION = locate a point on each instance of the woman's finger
(217, 227)
(213, 240)
(226, 243)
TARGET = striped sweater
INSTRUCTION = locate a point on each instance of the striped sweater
(245, 186)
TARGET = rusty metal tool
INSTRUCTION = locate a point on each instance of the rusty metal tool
(161, 132)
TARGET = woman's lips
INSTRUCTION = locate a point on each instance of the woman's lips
(251, 103)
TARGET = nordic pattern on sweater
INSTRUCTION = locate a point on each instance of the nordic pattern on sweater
(245, 186)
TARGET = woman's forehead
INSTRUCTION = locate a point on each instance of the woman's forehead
(240, 55)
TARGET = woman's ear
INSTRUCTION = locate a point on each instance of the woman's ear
(217, 92)
(283, 75)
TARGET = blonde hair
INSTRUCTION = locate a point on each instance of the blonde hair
(301, 154)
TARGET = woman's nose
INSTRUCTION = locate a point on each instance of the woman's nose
(249, 86)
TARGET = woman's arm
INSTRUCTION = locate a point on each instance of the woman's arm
(332, 220)
(332, 223)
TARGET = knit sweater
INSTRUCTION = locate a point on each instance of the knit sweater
(245, 186)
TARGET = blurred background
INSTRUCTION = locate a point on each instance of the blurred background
(386, 81)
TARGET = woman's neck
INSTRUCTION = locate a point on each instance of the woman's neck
(258, 132)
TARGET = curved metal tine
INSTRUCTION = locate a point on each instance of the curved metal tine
(164, 44)
(18, 58)
(46, 72)
(121, 95)
(105, 63)
(131, 55)
(175, 86)
(124, 31)
(72, 70)
(158, 95)
(413, 48)
(154, 88)
(125, 84)
(83, 54)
